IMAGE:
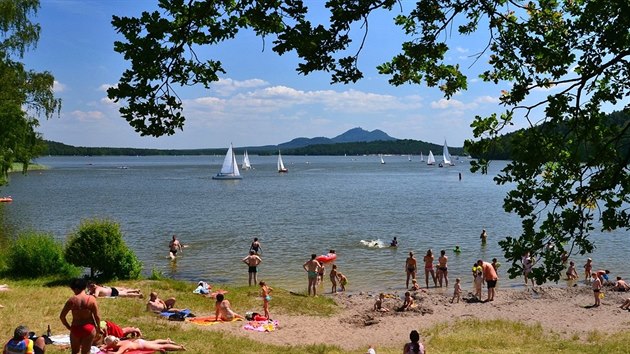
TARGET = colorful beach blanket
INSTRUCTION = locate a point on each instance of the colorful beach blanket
(184, 312)
(208, 320)
(261, 326)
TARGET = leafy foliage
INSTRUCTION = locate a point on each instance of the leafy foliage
(570, 175)
(98, 245)
(24, 94)
(34, 255)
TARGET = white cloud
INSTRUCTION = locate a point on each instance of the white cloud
(58, 86)
(225, 87)
(461, 50)
(90, 116)
(487, 99)
(105, 87)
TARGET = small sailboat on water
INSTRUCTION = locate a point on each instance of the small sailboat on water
(281, 168)
(229, 169)
(431, 158)
(246, 165)
(421, 157)
(446, 156)
(382, 161)
(409, 157)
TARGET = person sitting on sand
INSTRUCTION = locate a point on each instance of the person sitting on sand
(155, 304)
(223, 312)
(378, 305)
(572, 272)
(202, 288)
(621, 285)
(162, 345)
(407, 303)
(106, 291)
(20, 343)
(414, 285)
(414, 347)
(625, 305)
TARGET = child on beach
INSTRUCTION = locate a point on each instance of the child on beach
(458, 290)
(478, 284)
(495, 264)
(342, 280)
(333, 279)
(572, 272)
(587, 270)
(408, 303)
(597, 289)
(321, 273)
(378, 305)
(265, 291)
(414, 285)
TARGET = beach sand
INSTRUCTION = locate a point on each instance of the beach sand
(561, 310)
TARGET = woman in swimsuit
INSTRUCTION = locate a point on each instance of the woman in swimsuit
(85, 318)
(442, 269)
(223, 312)
(410, 267)
(428, 268)
(161, 345)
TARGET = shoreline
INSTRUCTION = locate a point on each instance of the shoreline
(560, 311)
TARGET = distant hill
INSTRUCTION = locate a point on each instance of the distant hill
(354, 135)
(356, 141)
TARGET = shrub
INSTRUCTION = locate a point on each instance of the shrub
(35, 254)
(98, 245)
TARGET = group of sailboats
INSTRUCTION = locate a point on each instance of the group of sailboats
(230, 171)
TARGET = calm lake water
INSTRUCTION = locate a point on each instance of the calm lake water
(322, 203)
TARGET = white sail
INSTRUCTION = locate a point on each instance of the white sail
(446, 156)
(430, 159)
(246, 165)
(421, 157)
(409, 157)
(229, 169)
(381, 156)
(281, 167)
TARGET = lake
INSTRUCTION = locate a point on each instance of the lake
(323, 202)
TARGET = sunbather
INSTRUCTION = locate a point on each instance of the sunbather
(106, 291)
(162, 345)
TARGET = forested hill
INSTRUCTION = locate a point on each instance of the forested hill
(394, 147)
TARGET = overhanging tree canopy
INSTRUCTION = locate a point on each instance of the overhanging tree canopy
(577, 179)
(24, 94)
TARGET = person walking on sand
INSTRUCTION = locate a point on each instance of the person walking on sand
(85, 318)
(410, 267)
(490, 277)
(333, 279)
(255, 246)
(442, 269)
(312, 268)
(572, 272)
(174, 247)
(588, 267)
(252, 261)
(266, 295)
(428, 268)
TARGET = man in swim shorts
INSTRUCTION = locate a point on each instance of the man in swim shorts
(490, 276)
(252, 261)
(174, 246)
(410, 267)
(312, 268)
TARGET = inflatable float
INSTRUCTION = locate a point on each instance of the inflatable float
(6, 199)
(325, 258)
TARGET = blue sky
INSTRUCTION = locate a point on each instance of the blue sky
(261, 100)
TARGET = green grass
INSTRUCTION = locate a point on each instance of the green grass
(17, 167)
(37, 303)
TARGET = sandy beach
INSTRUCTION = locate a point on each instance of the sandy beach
(561, 310)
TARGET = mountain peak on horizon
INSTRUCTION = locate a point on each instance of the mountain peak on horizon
(353, 135)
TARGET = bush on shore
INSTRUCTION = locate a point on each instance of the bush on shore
(35, 254)
(98, 244)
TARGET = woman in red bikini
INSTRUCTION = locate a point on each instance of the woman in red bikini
(85, 318)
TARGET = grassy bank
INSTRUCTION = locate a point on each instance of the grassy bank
(37, 303)
(17, 167)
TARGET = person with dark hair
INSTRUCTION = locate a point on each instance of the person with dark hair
(108, 291)
(414, 347)
(22, 344)
(312, 268)
(85, 318)
(252, 261)
(255, 246)
(223, 312)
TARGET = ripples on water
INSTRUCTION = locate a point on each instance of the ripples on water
(322, 203)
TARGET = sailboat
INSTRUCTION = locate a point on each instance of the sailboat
(446, 156)
(430, 159)
(409, 157)
(281, 168)
(229, 170)
(421, 157)
(246, 165)
(382, 161)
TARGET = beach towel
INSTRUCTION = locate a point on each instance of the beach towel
(208, 320)
(184, 312)
(261, 326)
(60, 339)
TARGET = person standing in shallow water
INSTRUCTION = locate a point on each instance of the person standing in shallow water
(256, 247)
(442, 269)
(252, 261)
(410, 267)
(174, 247)
(483, 236)
(312, 268)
